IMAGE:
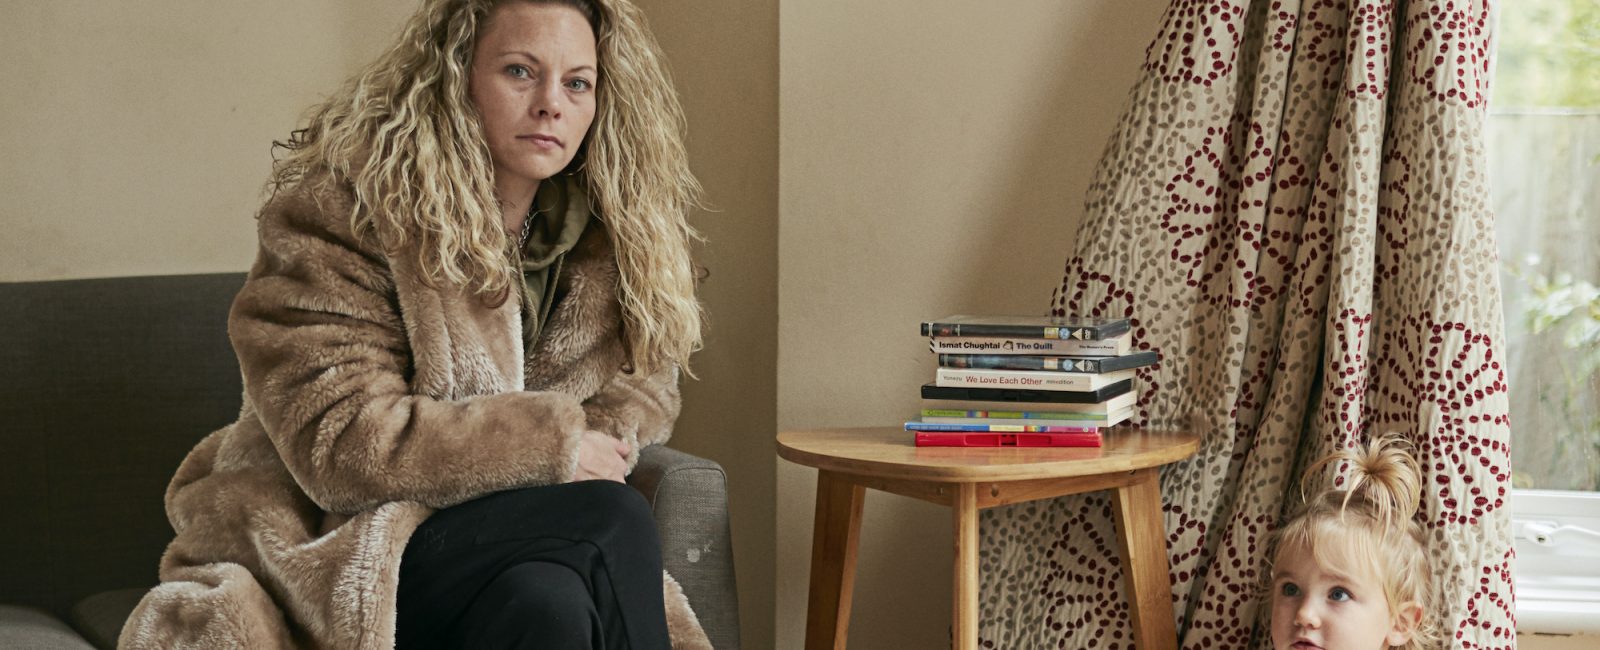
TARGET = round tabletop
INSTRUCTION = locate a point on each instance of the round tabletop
(886, 452)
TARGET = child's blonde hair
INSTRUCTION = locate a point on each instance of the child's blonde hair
(1368, 523)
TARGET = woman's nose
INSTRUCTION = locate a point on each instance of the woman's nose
(546, 101)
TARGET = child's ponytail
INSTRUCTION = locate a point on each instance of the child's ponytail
(1385, 481)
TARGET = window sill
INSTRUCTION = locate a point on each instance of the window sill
(1557, 575)
(1557, 616)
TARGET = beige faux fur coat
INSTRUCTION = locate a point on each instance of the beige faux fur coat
(370, 400)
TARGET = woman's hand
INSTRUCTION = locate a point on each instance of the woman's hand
(601, 457)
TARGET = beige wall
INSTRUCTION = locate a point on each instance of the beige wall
(137, 140)
(724, 56)
(137, 134)
(934, 158)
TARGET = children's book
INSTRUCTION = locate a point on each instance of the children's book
(998, 428)
(935, 439)
(998, 417)
(955, 408)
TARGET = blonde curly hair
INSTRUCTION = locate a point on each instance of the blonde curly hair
(406, 137)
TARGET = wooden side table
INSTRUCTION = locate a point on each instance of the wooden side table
(971, 478)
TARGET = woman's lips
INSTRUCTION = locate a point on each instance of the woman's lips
(541, 140)
(1305, 645)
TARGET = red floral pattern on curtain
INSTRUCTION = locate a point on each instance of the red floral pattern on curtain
(1293, 212)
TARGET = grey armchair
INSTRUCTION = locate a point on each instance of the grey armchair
(105, 384)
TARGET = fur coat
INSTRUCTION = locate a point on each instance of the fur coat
(372, 399)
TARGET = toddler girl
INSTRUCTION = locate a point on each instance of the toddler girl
(1350, 570)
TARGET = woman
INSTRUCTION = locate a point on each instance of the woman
(473, 294)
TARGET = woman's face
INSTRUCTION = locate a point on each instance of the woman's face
(533, 81)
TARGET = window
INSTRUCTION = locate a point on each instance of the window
(1544, 175)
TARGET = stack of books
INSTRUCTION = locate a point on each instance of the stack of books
(1028, 381)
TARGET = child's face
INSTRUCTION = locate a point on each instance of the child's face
(1316, 606)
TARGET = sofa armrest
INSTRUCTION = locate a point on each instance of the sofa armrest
(689, 496)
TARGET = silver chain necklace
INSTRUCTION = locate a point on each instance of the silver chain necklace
(527, 226)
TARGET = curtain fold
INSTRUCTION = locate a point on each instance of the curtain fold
(1293, 212)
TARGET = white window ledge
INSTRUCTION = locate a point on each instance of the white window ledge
(1557, 569)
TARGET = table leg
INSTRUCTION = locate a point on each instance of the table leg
(964, 626)
(833, 561)
(1143, 535)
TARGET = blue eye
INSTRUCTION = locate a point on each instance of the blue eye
(580, 84)
(518, 70)
(1289, 589)
(1340, 594)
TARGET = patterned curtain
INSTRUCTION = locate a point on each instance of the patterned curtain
(1293, 212)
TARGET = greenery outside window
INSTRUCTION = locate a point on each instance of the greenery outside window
(1544, 176)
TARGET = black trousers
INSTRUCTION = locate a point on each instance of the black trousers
(575, 565)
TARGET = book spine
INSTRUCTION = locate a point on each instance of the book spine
(997, 428)
(1052, 424)
(1046, 417)
(933, 439)
(1069, 333)
(1031, 362)
(1018, 346)
(1033, 396)
(1126, 361)
(1100, 410)
(1044, 380)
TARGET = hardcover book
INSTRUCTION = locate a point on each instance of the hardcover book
(972, 408)
(1112, 347)
(1030, 379)
(931, 391)
(1068, 328)
(1002, 417)
(1059, 364)
(936, 439)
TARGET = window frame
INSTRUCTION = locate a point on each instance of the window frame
(1541, 610)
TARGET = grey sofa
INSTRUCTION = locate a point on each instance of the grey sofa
(105, 384)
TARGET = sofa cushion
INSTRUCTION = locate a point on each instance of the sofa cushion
(107, 383)
(100, 617)
(25, 627)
